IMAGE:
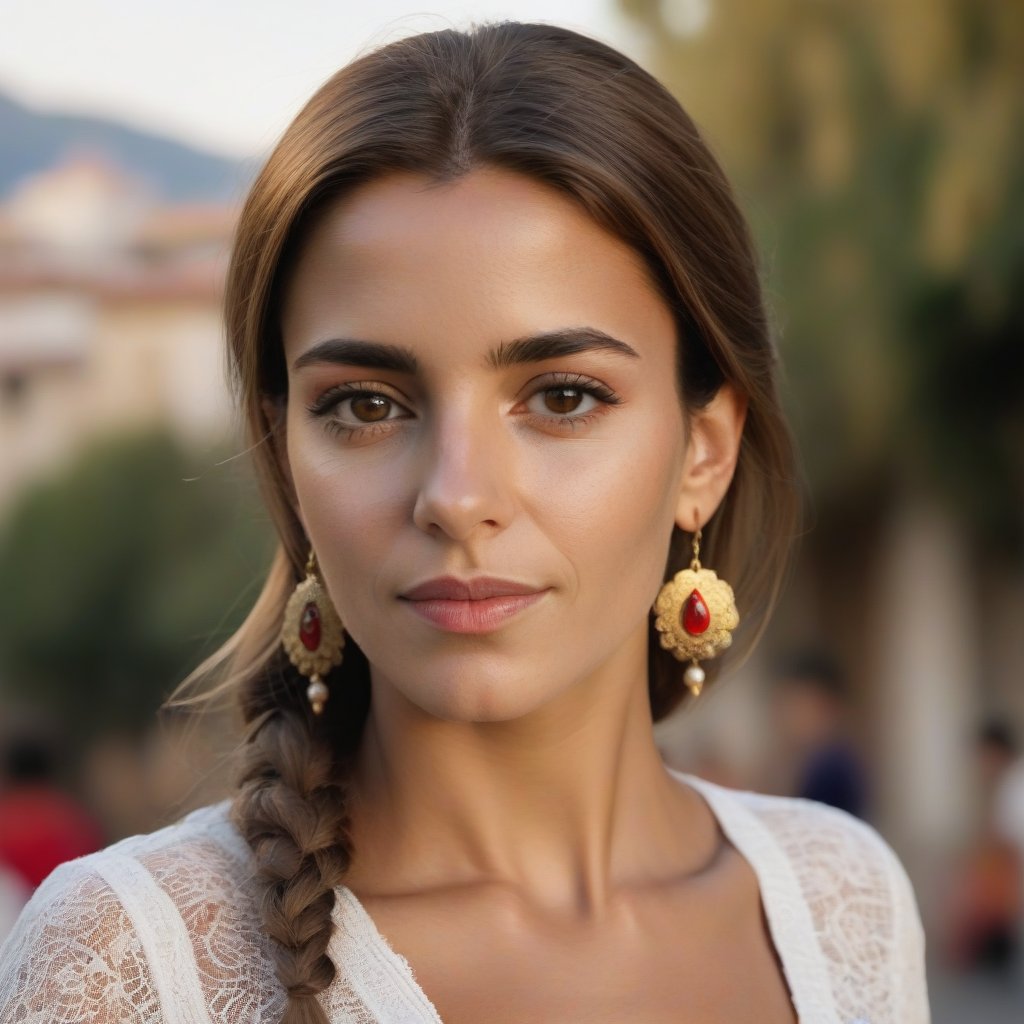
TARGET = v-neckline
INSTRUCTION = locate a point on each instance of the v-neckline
(385, 983)
(790, 923)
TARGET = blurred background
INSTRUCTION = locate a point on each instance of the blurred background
(878, 150)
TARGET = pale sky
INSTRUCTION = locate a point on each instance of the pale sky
(228, 75)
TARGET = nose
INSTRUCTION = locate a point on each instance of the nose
(467, 477)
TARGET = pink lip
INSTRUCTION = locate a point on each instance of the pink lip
(476, 605)
(451, 588)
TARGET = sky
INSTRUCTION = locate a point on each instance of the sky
(228, 75)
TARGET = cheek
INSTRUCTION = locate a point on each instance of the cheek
(351, 507)
(610, 503)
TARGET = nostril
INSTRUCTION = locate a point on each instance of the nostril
(460, 517)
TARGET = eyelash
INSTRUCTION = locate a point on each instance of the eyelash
(334, 396)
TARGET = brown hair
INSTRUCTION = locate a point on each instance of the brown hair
(575, 114)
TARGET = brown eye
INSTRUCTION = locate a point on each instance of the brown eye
(370, 408)
(562, 401)
(570, 402)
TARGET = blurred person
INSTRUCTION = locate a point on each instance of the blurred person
(41, 825)
(496, 326)
(987, 890)
(1004, 769)
(1008, 815)
(812, 704)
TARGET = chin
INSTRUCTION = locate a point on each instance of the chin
(479, 696)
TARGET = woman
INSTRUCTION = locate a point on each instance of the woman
(496, 325)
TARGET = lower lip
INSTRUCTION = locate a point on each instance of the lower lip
(473, 616)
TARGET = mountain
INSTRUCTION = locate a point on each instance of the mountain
(33, 141)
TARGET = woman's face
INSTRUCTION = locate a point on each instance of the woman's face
(482, 382)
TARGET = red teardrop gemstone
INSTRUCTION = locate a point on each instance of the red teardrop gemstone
(696, 617)
(309, 627)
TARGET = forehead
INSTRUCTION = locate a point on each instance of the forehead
(473, 262)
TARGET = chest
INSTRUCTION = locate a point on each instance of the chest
(560, 986)
(701, 954)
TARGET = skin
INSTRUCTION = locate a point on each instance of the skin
(508, 787)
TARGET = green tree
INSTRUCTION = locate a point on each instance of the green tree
(121, 573)
(879, 150)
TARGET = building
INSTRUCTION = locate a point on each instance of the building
(109, 315)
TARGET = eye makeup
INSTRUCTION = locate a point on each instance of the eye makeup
(564, 384)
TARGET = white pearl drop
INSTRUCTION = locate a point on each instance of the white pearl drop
(694, 676)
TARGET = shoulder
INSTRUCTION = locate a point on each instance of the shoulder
(825, 846)
(200, 858)
(837, 858)
(859, 898)
(114, 935)
(821, 841)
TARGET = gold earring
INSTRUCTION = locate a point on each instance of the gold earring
(696, 614)
(312, 634)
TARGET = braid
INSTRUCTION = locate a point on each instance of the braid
(292, 809)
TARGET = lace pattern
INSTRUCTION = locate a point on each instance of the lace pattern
(74, 956)
(163, 928)
(848, 884)
(860, 913)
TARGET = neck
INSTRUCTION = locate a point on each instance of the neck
(564, 805)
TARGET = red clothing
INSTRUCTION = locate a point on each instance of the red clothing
(40, 828)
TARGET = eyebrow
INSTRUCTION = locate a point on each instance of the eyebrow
(566, 341)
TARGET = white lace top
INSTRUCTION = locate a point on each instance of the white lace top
(163, 929)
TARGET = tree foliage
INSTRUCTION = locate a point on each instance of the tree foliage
(120, 573)
(879, 151)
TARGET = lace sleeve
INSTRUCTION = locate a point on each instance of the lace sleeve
(74, 956)
(863, 960)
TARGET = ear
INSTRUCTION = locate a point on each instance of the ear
(275, 412)
(712, 450)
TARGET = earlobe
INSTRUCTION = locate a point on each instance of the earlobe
(712, 451)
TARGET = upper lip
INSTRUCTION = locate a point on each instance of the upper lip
(451, 588)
